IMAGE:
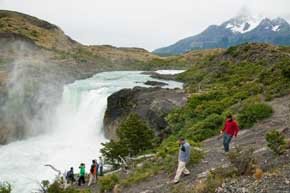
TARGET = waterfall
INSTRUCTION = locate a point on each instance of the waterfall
(75, 133)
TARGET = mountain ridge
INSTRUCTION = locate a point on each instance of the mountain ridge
(237, 30)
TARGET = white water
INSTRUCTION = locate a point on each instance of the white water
(171, 72)
(76, 131)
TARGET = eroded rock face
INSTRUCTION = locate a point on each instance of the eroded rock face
(151, 104)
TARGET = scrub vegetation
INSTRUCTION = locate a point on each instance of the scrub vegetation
(238, 81)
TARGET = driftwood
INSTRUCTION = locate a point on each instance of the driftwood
(142, 157)
(114, 171)
(59, 175)
(54, 169)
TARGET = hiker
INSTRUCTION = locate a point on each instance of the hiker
(101, 166)
(82, 174)
(70, 178)
(230, 129)
(183, 158)
(93, 173)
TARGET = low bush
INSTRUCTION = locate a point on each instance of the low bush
(58, 187)
(276, 142)
(204, 129)
(215, 179)
(212, 182)
(243, 161)
(140, 174)
(252, 113)
(108, 182)
(5, 187)
(181, 188)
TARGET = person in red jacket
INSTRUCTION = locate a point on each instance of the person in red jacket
(230, 129)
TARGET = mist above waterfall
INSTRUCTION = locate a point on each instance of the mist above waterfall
(75, 133)
(33, 88)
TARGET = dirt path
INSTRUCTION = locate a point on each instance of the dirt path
(214, 156)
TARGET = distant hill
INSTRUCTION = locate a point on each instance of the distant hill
(41, 32)
(15, 26)
(238, 30)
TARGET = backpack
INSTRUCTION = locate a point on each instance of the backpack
(92, 168)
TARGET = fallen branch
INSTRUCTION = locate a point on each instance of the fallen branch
(54, 169)
(142, 157)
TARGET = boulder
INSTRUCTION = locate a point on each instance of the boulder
(151, 104)
(155, 83)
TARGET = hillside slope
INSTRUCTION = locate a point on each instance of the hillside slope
(41, 32)
(214, 159)
(250, 81)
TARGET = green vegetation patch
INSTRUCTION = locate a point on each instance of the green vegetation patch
(253, 113)
(276, 142)
(5, 187)
(108, 182)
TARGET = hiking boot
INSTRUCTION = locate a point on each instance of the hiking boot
(175, 182)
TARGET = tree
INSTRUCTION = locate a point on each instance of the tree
(134, 136)
(113, 152)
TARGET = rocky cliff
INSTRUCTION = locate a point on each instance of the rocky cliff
(152, 104)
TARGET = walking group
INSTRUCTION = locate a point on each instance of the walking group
(96, 170)
(229, 131)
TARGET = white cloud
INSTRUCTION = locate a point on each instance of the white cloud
(140, 23)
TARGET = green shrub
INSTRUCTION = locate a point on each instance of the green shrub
(242, 160)
(196, 155)
(113, 152)
(134, 138)
(276, 142)
(57, 187)
(140, 174)
(135, 135)
(252, 113)
(212, 182)
(286, 68)
(108, 182)
(206, 128)
(5, 187)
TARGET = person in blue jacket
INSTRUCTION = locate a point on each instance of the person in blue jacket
(183, 158)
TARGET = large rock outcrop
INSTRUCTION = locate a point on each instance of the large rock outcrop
(151, 104)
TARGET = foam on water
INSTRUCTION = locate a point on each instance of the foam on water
(171, 72)
(76, 131)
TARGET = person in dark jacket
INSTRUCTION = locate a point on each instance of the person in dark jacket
(70, 176)
(183, 158)
(229, 131)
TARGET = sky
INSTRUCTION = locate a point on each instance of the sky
(149, 24)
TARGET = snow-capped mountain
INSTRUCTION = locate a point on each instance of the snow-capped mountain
(242, 23)
(240, 29)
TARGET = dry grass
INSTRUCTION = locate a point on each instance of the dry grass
(51, 38)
